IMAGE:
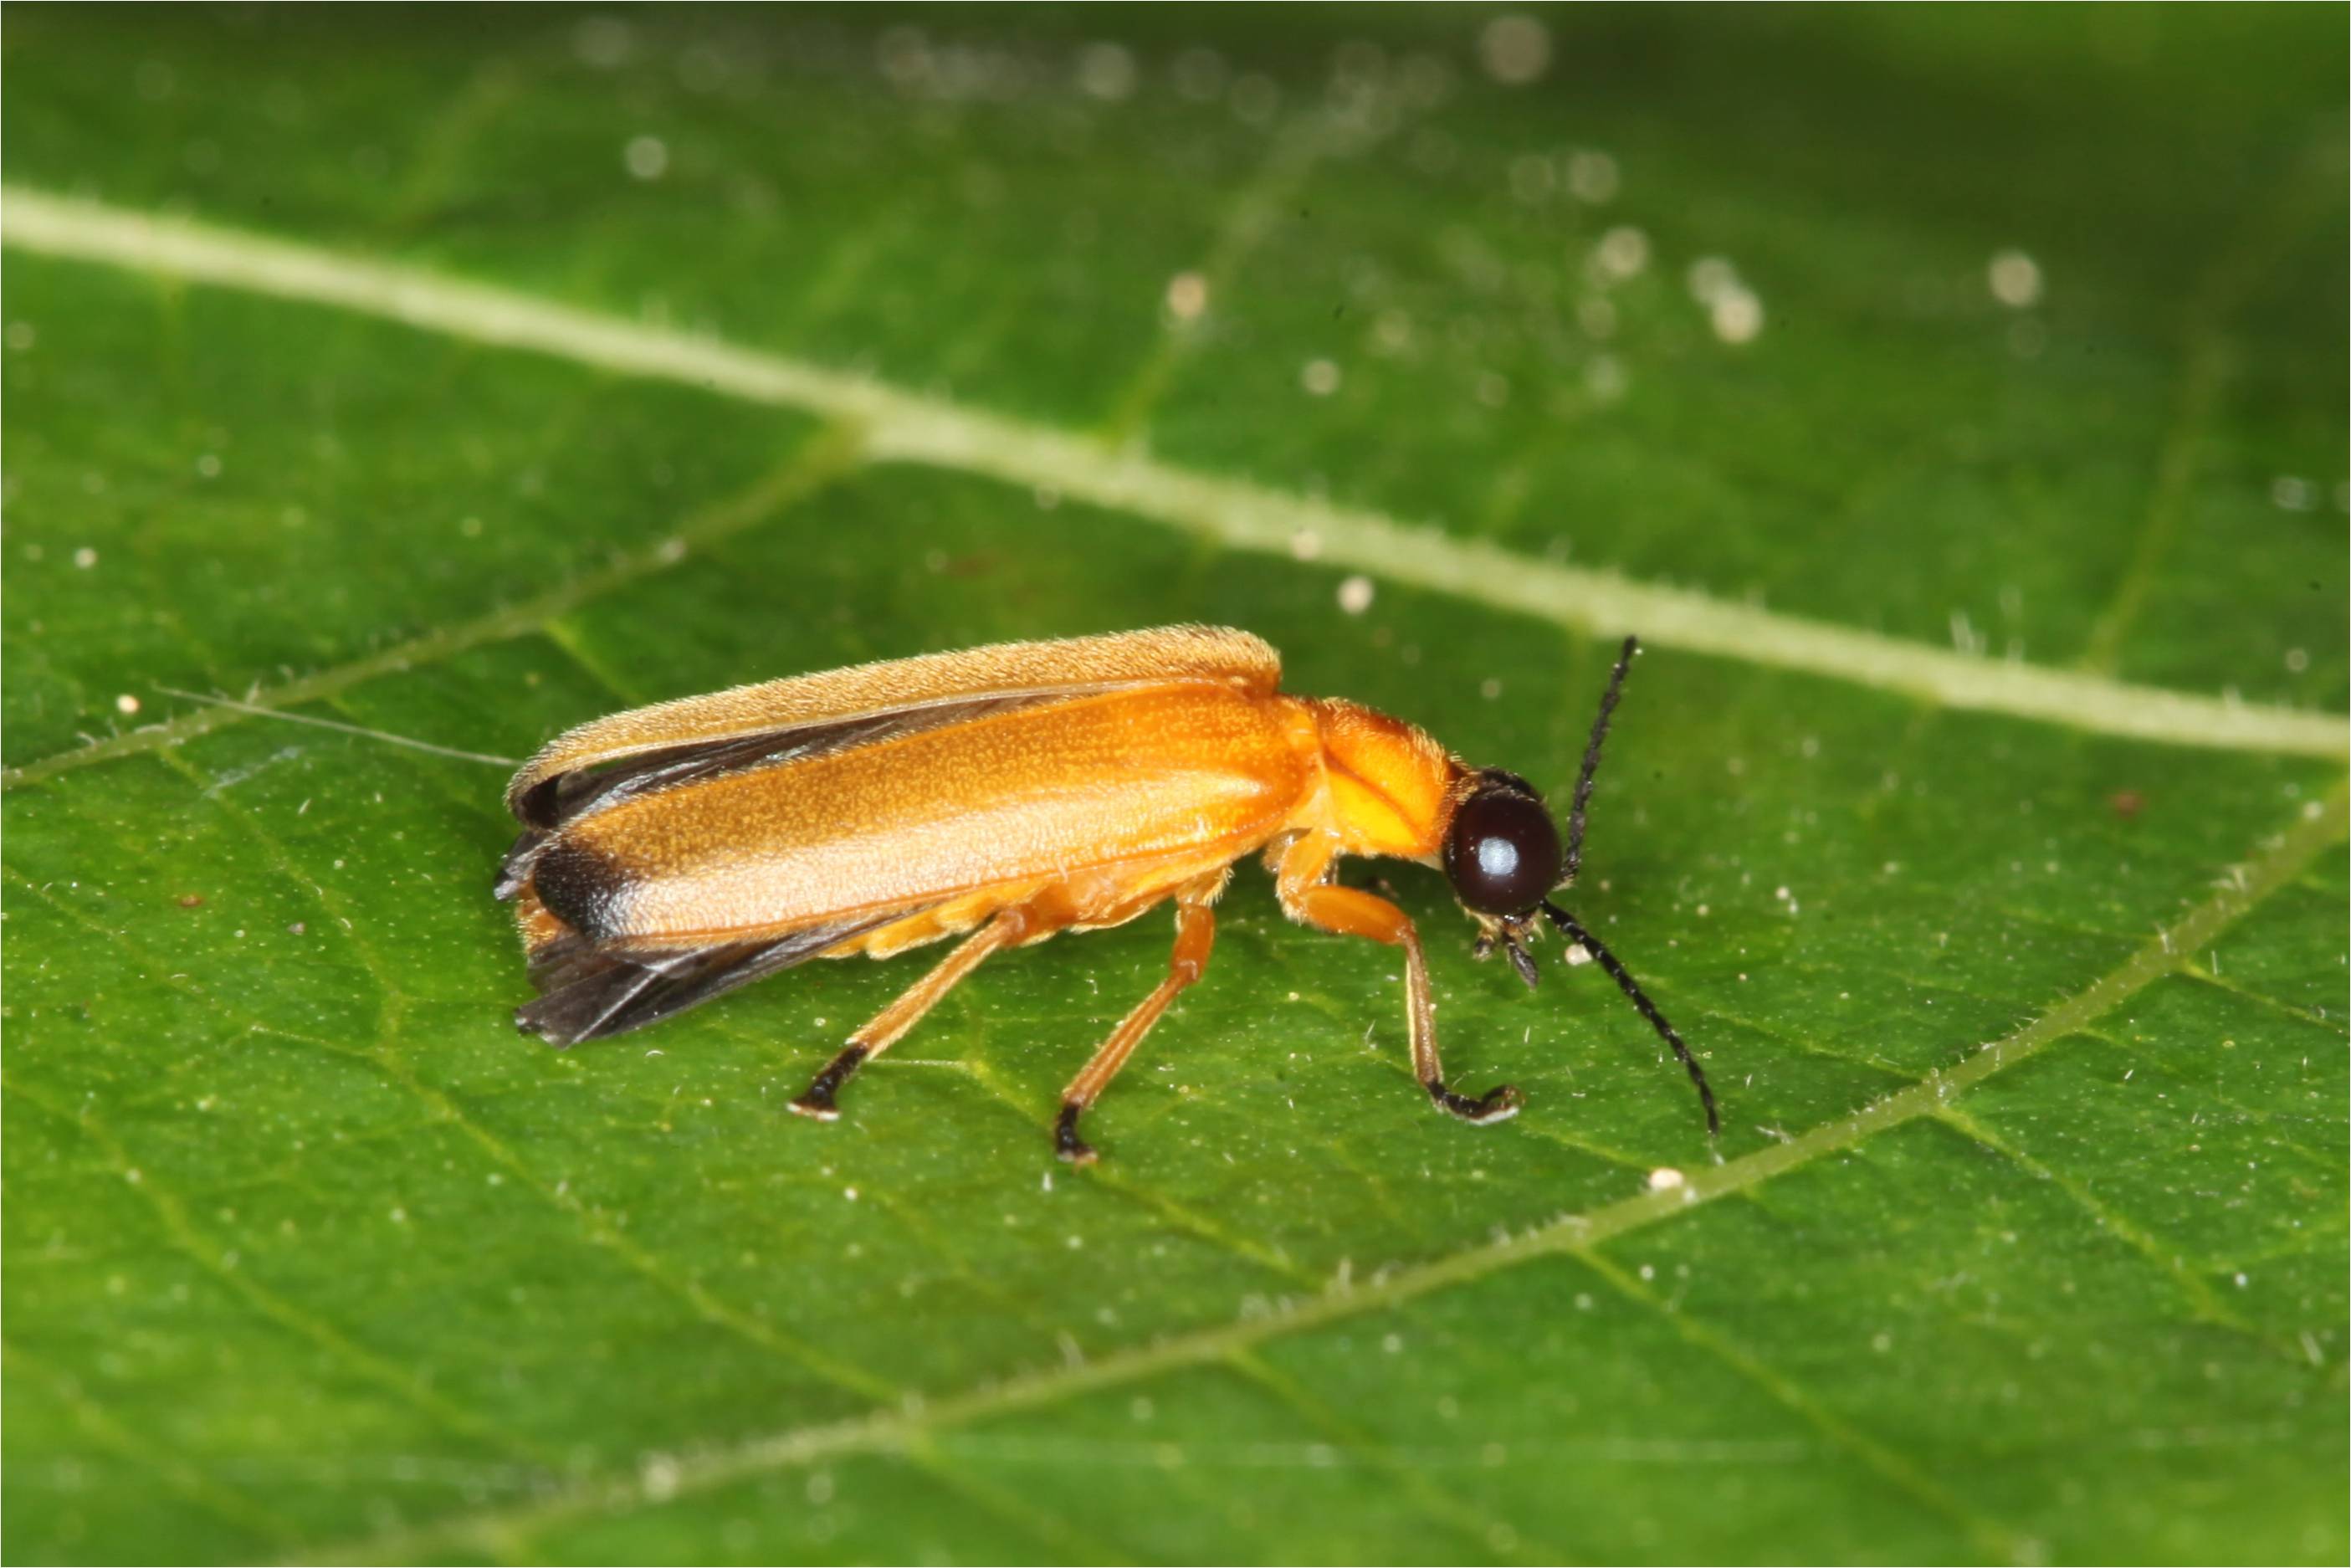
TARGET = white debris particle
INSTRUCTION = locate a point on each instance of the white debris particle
(2291, 494)
(399, 1217)
(659, 1477)
(1649, 1270)
(850, 1193)
(1188, 296)
(85, 557)
(2016, 279)
(1665, 1179)
(1106, 71)
(1577, 955)
(1514, 48)
(1355, 594)
(646, 157)
(1490, 687)
(1320, 377)
(126, 703)
(1780, 894)
(1737, 317)
(602, 42)
(1623, 252)
(1591, 177)
(1392, 1343)
(132, 1176)
(2242, 1281)
(208, 466)
(1881, 1342)
(1305, 544)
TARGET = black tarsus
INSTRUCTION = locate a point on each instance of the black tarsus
(1522, 961)
(1066, 1142)
(1591, 761)
(1497, 1105)
(1585, 939)
(818, 1101)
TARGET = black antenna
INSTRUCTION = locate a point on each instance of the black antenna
(1591, 761)
(1631, 987)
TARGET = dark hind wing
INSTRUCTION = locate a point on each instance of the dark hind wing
(591, 991)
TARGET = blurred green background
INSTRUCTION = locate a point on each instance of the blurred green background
(1437, 345)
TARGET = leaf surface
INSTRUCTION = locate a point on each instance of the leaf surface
(1952, 399)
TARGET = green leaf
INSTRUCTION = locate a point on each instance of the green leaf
(1952, 399)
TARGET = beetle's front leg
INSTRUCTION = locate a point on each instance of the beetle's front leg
(1351, 912)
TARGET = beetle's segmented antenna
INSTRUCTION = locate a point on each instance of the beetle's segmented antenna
(1591, 761)
(1631, 987)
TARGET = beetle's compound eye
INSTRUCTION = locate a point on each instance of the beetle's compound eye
(1502, 854)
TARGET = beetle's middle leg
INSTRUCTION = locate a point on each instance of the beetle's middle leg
(1351, 912)
(1196, 935)
(1009, 928)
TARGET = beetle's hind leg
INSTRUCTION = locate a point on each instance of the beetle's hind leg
(1009, 928)
(1196, 935)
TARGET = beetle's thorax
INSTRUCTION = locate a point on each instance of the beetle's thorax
(1389, 789)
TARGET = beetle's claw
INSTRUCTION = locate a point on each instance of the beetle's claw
(816, 1102)
(1498, 1105)
(1066, 1142)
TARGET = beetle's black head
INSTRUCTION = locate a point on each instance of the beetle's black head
(1501, 851)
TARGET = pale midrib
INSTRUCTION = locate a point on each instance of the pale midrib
(510, 1530)
(906, 427)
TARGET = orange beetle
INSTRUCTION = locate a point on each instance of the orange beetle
(672, 853)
